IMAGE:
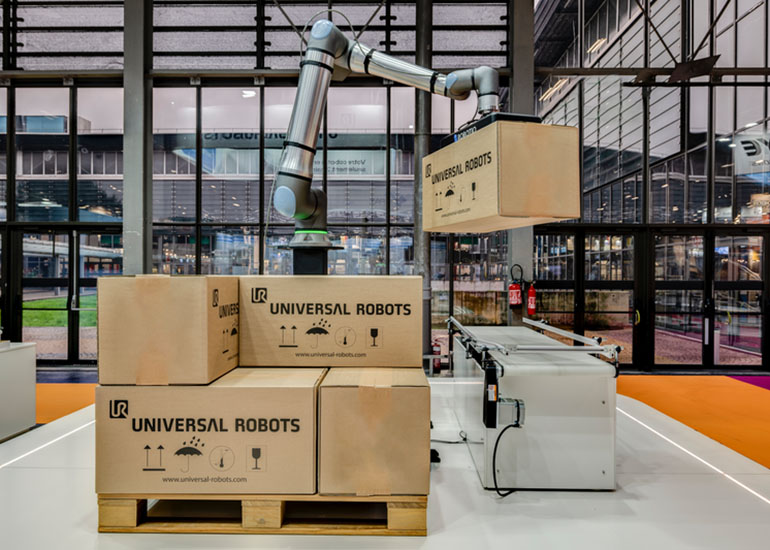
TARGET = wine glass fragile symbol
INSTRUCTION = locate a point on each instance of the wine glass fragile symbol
(255, 454)
(373, 332)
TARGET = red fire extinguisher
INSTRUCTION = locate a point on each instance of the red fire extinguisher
(514, 289)
(531, 298)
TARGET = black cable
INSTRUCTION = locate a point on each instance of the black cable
(463, 439)
(494, 462)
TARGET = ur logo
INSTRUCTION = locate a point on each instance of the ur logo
(215, 298)
(118, 408)
(428, 170)
(258, 295)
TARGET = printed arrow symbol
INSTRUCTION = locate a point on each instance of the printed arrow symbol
(147, 456)
(293, 334)
(160, 455)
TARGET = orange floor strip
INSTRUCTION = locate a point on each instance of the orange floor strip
(732, 412)
(57, 400)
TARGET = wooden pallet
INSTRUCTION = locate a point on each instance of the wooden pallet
(265, 514)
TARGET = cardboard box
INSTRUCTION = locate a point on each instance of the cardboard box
(331, 321)
(251, 431)
(505, 175)
(157, 330)
(374, 432)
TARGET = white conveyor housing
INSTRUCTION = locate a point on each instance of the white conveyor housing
(567, 440)
(17, 388)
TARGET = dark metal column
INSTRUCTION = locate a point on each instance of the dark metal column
(521, 25)
(137, 137)
(422, 129)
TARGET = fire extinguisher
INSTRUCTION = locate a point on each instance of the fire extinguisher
(514, 289)
(531, 299)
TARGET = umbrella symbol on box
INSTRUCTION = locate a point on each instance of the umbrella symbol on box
(189, 450)
(319, 329)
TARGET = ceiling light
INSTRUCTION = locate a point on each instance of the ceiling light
(751, 124)
(248, 93)
(596, 45)
(553, 89)
(731, 145)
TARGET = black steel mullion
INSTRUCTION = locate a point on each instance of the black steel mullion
(72, 155)
(709, 309)
(262, 205)
(765, 301)
(387, 167)
(10, 154)
(198, 178)
(580, 282)
(73, 296)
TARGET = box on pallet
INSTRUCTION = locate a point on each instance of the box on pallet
(505, 175)
(331, 321)
(157, 330)
(374, 432)
(252, 431)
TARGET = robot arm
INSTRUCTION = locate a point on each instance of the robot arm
(330, 55)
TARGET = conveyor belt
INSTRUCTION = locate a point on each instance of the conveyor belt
(538, 363)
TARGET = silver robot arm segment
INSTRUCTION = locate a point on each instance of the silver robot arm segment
(330, 55)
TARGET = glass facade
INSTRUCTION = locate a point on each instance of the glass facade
(667, 261)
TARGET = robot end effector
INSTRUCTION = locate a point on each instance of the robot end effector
(331, 55)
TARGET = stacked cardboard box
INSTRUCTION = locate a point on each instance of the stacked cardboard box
(228, 385)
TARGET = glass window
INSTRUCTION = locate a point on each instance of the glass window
(554, 257)
(230, 169)
(100, 154)
(355, 159)
(42, 187)
(738, 258)
(678, 258)
(230, 250)
(173, 250)
(173, 195)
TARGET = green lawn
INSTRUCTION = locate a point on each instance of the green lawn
(35, 317)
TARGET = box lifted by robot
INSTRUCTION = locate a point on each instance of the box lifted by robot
(504, 173)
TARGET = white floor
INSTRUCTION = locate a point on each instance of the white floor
(686, 491)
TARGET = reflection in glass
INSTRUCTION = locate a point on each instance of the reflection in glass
(100, 154)
(42, 189)
(230, 250)
(173, 194)
(738, 258)
(554, 257)
(678, 258)
(173, 250)
(363, 252)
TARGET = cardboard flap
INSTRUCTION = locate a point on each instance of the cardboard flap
(271, 378)
(376, 377)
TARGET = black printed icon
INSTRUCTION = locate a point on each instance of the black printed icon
(319, 329)
(151, 458)
(222, 458)
(255, 455)
(428, 170)
(345, 337)
(473, 191)
(227, 337)
(258, 295)
(288, 337)
(118, 408)
(189, 449)
(375, 338)
(215, 298)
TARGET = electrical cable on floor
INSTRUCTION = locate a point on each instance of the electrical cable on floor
(494, 462)
(463, 439)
